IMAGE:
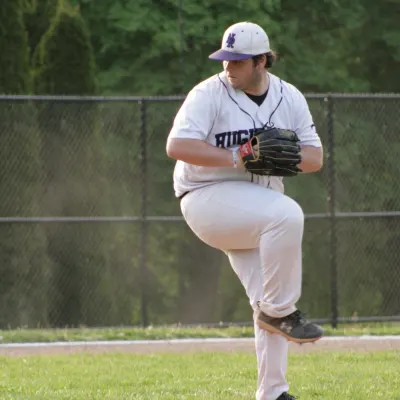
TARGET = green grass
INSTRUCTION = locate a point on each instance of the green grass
(39, 335)
(227, 376)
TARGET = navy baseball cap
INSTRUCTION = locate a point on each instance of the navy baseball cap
(242, 41)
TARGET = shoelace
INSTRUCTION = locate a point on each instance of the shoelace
(299, 318)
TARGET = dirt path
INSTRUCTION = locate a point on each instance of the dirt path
(364, 343)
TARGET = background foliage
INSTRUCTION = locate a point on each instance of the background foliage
(336, 46)
(86, 159)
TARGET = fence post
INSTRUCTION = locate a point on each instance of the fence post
(143, 214)
(332, 213)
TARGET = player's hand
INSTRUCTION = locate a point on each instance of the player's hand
(240, 163)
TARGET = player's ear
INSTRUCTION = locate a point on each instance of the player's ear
(263, 61)
(271, 58)
(260, 60)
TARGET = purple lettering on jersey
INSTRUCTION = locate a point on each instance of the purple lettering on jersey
(243, 136)
(228, 139)
(228, 142)
(220, 139)
(235, 138)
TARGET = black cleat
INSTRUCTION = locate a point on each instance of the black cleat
(286, 396)
(294, 327)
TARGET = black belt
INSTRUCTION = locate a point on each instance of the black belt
(182, 195)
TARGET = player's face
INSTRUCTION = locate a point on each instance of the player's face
(242, 74)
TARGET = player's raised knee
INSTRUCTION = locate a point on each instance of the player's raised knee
(295, 211)
(290, 213)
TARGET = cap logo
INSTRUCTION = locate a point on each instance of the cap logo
(231, 40)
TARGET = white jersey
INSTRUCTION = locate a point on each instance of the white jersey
(215, 112)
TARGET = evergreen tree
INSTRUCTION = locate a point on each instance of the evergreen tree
(14, 64)
(24, 266)
(73, 173)
(38, 18)
(65, 60)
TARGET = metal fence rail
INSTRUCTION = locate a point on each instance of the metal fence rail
(68, 162)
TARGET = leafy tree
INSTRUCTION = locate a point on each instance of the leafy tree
(375, 53)
(330, 46)
(147, 47)
(139, 48)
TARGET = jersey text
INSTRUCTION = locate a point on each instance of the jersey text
(233, 138)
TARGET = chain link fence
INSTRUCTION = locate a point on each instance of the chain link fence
(91, 233)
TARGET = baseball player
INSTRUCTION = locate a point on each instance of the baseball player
(235, 138)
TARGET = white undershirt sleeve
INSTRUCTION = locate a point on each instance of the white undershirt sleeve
(196, 116)
(303, 121)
